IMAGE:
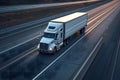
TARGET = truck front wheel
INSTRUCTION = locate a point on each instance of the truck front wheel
(55, 50)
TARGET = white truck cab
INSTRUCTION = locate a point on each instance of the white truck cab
(52, 39)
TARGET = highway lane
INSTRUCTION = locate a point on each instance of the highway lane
(8, 40)
(18, 40)
(33, 62)
(16, 52)
(26, 43)
(65, 67)
(116, 68)
(22, 35)
(4, 9)
(106, 64)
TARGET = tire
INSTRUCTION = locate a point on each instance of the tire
(81, 31)
(55, 50)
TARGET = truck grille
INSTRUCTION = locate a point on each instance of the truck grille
(43, 46)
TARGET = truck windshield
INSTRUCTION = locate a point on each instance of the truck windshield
(50, 35)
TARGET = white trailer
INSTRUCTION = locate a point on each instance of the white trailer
(59, 30)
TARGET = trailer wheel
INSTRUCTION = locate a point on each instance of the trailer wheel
(55, 50)
(81, 31)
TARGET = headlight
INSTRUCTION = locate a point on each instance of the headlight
(50, 49)
(38, 46)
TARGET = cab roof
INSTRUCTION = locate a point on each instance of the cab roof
(53, 27)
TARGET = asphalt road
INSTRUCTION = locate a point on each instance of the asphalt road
(65, 60)
(18, 34)
(23, 43)
(116, 69)
(18, 37)
(106, 64)
(20, 43)
(65, 67)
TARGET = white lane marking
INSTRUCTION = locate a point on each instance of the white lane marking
(17, 59)
(100, 40)
(92, 53)
(96, 17)
(22, 30)
(101, 9)
(100, 21)
(20, 44)
(116, 57)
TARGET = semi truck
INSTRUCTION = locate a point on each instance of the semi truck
(59, 30)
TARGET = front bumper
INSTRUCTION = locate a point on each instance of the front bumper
(46, 51)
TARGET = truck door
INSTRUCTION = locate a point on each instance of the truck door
(60, 35)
